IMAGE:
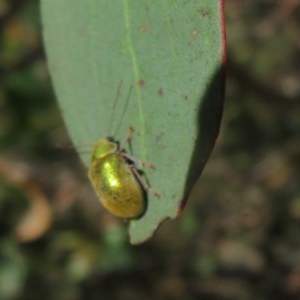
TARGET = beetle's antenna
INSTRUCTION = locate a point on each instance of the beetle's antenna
(113, 109)
(124, 110)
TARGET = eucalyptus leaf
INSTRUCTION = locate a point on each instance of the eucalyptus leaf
(170, 52)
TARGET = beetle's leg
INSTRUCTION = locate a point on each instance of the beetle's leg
(140, 164)
(128, 138)
(137, 162)
(144, 184)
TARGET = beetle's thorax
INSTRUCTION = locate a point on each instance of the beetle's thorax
(103, 148)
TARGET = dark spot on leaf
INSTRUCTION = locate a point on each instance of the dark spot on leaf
(204, 12)
(141, 83)
(194, 34)
(159, 136)
(144, 28)
(160, 92)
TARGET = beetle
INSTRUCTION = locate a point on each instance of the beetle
(116, 180)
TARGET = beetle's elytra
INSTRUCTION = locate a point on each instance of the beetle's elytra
(114, 181)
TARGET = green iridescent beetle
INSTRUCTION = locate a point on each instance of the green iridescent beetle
(115, 180)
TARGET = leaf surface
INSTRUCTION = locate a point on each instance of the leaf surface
(171, 53)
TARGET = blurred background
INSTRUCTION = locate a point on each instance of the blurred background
(238, 239)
